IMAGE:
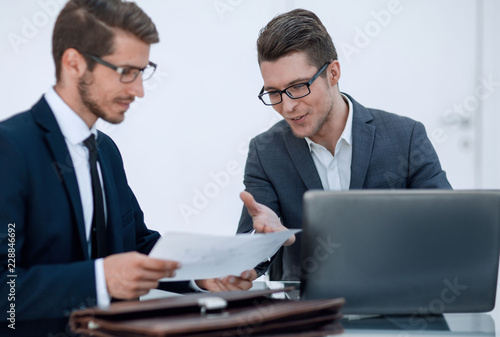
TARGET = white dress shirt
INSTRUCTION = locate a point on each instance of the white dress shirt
(75, 131)
(335, 170)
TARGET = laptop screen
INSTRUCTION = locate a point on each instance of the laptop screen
(402, 251)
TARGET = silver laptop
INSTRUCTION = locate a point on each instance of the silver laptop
(414, 252)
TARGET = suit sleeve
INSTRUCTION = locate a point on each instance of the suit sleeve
(257, 183)
(424, 169)
(45, 290)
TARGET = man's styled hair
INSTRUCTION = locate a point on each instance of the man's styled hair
(87, 26)
(299, 30)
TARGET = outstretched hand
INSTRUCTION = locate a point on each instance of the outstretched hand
(264, 219)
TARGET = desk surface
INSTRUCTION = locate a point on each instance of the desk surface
(445, 325)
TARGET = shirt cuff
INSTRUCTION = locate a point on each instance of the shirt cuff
(103, 298)
(194, 286)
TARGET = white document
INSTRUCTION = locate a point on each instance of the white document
(205, 256)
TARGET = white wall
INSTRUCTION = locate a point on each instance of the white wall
(189, 136)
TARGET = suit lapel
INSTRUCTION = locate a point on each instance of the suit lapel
(113, 216)
(302, 159)
(363, 136)
(62, 164)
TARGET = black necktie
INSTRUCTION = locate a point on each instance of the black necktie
(98, 231)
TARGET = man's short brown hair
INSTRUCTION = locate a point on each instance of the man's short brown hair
(299, 30)
(86, 25)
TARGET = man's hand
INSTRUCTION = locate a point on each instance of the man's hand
(264, 219)
(229, 283)
(130, 275)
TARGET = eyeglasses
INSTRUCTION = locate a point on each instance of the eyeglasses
(295, 91)
(128, 74)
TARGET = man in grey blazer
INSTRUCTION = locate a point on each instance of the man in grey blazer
(327, 140)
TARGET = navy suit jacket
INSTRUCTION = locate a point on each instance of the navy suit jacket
(39, 196)
(388, 151)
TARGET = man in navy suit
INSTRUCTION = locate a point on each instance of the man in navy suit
(48, 197)
(327, 140)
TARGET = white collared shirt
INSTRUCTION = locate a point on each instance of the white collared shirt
(335, 170)
(75, 131)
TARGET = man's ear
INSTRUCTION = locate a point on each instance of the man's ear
(333, 72)
(73, 63)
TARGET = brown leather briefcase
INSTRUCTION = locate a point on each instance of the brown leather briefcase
(237, 313)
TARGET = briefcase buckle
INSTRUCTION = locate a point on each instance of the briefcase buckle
(213, 306)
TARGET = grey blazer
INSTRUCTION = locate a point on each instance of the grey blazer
(388, 151)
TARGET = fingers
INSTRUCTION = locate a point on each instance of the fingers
(252, 206)
(290, 241)
(233, 283)
(229, 283)
(253, 209)
(217, 284)
(208, 284)
(164, 266)
(264, 219)
(236, 283)
(148, 275)
(249, 275)
(244, 282)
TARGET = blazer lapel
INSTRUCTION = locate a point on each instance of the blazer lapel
(302, 159)
(363, 136)
(62, 164)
